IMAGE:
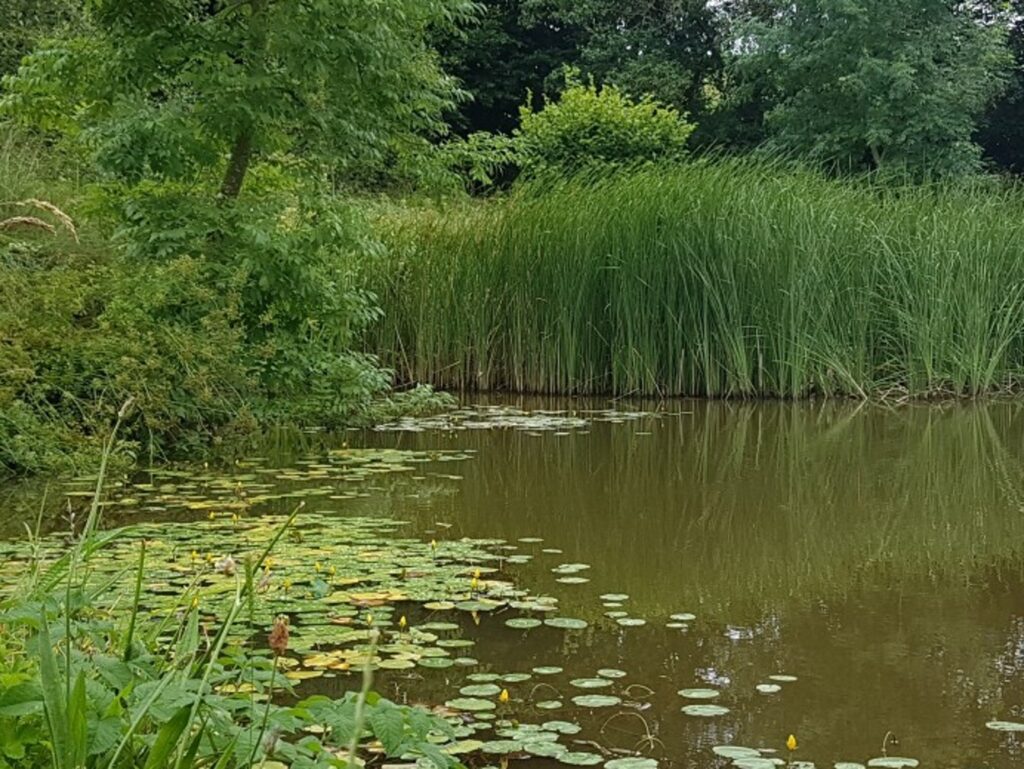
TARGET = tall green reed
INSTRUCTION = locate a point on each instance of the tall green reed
(721, 277)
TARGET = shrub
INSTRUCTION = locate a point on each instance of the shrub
(590, 126)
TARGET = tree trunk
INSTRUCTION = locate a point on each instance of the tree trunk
(238, 164)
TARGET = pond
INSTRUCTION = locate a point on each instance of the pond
(731, 574)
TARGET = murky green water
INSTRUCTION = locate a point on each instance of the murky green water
(876, 555)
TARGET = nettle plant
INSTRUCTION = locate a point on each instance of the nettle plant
(215, 129)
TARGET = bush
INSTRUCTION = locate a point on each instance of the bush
(590, 126)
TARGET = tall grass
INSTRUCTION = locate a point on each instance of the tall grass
(722, 277)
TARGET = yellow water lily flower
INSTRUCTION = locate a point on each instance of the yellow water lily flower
(195, 602)
(791, 742)
(317, 567)
(212, 515)
(402, 622)
(331, 570)
(369, 618)
(503, 697)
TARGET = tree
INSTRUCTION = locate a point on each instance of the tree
(502, 57)
(669, 49)
(1001, 132)
(167, 89)
(868, 84)
(24, 22)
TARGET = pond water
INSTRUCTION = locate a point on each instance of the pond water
(875, 555)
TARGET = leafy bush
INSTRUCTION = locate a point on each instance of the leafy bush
(591, 126)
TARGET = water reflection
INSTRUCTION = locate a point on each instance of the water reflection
(874, 553)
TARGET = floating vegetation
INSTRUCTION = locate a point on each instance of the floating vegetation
(735, 751)
(782, 679)
(1005, 726)
(768, 688)
(705, 711)
(596, 700)
(699, 694)
(632, 762)
(893, 762)
(566, 623)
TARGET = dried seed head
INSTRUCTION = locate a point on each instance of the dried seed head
(278, 638)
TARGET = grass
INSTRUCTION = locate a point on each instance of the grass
(721, 278)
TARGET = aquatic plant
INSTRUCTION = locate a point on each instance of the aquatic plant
(720, 277)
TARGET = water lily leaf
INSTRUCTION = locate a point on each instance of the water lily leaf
(631, 621)
(632, 762)
(483, 678)
(523, 623)
(516, 678)
(590, 683)
(547, 670)
(435, 662)
(546, 749)
(562, 727)
(572, 580)
(705, 711)
(768, 688)
(699, 694)
(611, 673)
(502, 747)
(782, 679)
(616, 614)
(1005, 726)
(616, 597)
(549, 704)
(596, 700)
(848, 765)
(735, 751)
(472, 704)
(754, 762)
(566, 623)
(893, 762)
(684, 616)
(480, 690)
(576, 758)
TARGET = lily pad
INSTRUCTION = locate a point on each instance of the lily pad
(502, 747)
(562, 727)
(471, 704)
(782, 679)
(546, 749)
(590, 683)
(596, 700)
(699, 694)
(611, 673)
(1005, 726)
(547, 670)
(523, 623)
(848, 765)
(893, 762)
(768, 688)
(754, 762)
(617, 597)
(549, 704)
(566, 623)
(683, 616)
(516, 678)
(705, 711)
(735, 751)
(577, 758)
(632, 762)
(631, 621)
(480, 690)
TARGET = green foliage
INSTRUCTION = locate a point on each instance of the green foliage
(867, 84)
(669, 49)
(718, 278)
(85, 688)
(24, 22)
(507, 53)
(590, 126)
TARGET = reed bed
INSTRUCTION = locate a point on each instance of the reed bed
(720, 278)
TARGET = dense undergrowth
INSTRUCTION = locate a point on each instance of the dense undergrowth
(214, 319)
(716, 277)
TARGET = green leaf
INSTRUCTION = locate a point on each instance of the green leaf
(167, 740)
